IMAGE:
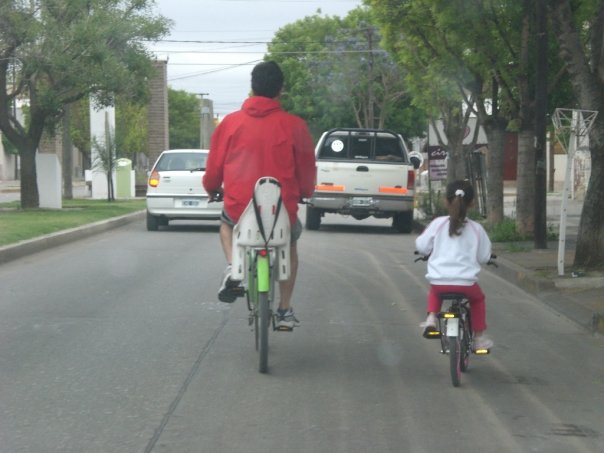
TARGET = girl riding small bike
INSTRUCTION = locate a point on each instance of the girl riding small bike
(457, 246)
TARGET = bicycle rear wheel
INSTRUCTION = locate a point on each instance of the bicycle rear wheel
(265, 319)
(455, 360)
(464, 360)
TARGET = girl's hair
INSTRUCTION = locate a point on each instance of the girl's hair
(460, 195)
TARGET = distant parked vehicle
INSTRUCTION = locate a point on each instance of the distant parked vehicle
(174, 189)
(363, 173)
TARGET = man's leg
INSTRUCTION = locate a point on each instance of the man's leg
(286, 288)
(229, 289)
(226, 239)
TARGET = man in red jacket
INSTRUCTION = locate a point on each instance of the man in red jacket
(260, 140)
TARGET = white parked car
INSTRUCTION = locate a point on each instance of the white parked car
(363, 173)
(175, 191)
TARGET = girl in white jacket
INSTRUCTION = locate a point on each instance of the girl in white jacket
(457, 247)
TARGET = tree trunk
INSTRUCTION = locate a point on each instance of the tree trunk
(589, 87)
(29, 184)
(67, 160)
(494, 177)
(541, 82)
(525, 184)
(589, 252)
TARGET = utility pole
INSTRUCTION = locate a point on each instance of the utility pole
(204, 139)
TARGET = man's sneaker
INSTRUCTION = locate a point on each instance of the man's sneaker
(482, 342)
(229, 289)
(286, 320)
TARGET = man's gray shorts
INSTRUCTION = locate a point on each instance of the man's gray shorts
(296, 229)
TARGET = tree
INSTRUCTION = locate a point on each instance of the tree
(79, 129)
(55, 52)
(579, 27)
(132, 129)
(452, 77)
(487, 62)
(106, 157)
(338, 75)
(184, 113)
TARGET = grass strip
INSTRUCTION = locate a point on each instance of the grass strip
(18, 224)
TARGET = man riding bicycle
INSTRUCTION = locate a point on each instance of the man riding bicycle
(261, 140)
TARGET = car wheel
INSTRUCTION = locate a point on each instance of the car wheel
(403, 222)
(313, 218)
(152, 222)
(163, 221)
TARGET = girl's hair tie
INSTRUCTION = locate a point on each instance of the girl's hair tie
(460, 193)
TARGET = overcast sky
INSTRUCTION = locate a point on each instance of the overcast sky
(241, 27)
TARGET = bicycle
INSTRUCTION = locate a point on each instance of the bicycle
(261, 257)
(455, 321)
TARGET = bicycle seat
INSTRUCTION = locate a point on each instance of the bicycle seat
(452, 296)
(264, 223)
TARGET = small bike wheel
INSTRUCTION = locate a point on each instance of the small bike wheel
(265, 320)
(455, 360)
(464, 361)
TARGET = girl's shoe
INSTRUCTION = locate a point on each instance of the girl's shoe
(483, 342)
(429, 326)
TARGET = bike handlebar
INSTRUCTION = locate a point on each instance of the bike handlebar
(216, 197)
(425, 258)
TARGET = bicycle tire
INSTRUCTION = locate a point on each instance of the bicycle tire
(464, 360)
(256, 331)
(264, 315)
(455, 360)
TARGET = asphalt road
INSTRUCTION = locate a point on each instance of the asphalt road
(117, 344)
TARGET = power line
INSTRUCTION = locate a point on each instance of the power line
(196, 74)
(292, 52)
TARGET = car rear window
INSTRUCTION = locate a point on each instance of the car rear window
(367, 146)
(182, 162)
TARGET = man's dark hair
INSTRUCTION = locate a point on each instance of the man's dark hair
(267, 79)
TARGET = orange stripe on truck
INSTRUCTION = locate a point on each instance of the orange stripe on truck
(396, 190)
(329, 188)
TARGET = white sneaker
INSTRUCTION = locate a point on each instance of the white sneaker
(286, 320)
(430, 327)
(229, 289)
(483, 342)
(431, 321)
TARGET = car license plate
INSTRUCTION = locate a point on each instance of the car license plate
(190, 203)
(361, 202)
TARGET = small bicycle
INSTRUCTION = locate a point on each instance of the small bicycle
(261, 256)
(455, 330)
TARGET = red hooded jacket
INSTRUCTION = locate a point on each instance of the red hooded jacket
(260, 140)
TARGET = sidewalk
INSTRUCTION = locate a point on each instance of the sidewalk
(578, 297)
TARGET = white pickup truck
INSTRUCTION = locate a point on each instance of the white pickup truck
(363, 173)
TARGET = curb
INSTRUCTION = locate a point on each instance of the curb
(547, 291)
(30, 246)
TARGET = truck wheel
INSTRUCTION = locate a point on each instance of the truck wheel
(403, 222)
(313, 218)
(152, 222)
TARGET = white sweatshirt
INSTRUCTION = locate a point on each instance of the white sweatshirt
(454, 260)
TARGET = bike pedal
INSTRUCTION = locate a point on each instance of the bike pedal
(431, 333)
(238, 291)
(284, 329)
(481, 351)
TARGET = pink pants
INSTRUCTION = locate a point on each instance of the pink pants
(474, 295)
